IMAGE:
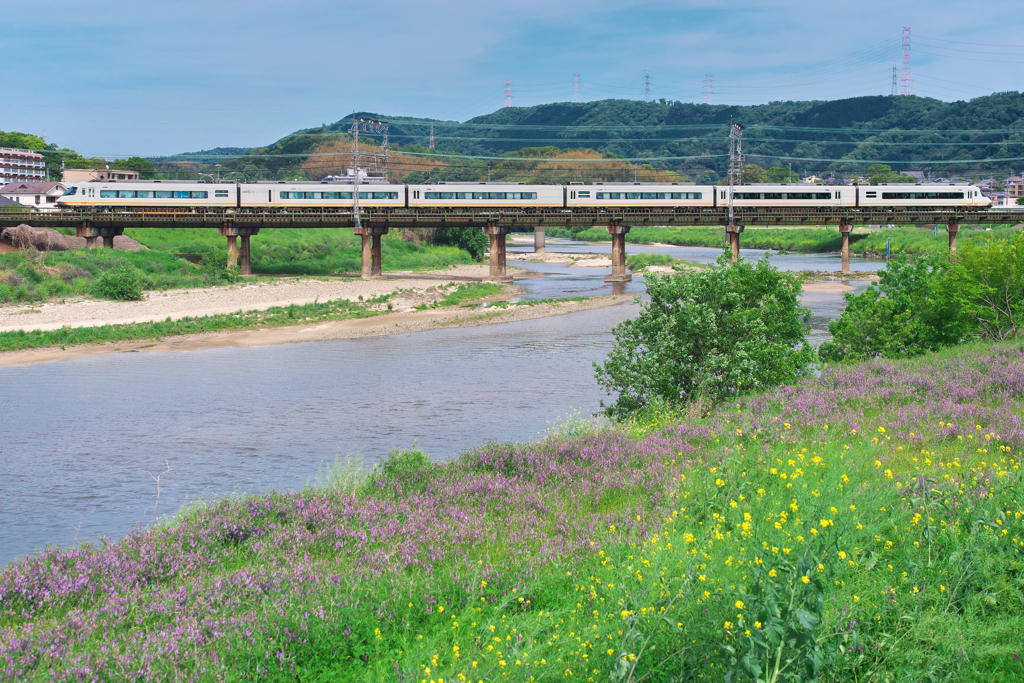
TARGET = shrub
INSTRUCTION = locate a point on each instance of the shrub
(470, 239)
(705, 334)
(123, 283)
(931, 303)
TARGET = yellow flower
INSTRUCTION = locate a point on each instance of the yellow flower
(440, 608)
(757, 624)
(739, 604)
(611, 652)
(728, 624)
(772, 573)
(805, 579)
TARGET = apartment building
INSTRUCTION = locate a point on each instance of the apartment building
(1014, 188)
(85, 175)
(18, 165)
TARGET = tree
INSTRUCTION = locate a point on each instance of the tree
(904, 314)
(1020, 201)
(706, 334)
(752, 173)
(778, 174)
(145, 167)
(470, 239)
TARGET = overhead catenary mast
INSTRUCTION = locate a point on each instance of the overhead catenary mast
(431, 135)
(735, 162)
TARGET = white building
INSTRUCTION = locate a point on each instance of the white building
(36, 194)
(20, 165)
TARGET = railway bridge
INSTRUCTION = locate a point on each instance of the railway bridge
(239, 226)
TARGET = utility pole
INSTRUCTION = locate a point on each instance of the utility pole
(895, 80)
(647, 86)
(431, 135)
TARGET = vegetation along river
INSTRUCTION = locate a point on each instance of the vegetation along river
(81, 438)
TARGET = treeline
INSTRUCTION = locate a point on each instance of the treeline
(55, 158)
(842, 137)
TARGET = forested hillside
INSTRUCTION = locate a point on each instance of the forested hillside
(980, 137)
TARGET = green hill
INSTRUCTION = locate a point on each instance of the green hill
(981, 137)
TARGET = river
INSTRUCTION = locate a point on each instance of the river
(81, 439)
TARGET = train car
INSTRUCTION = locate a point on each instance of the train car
(788, 195)
(490, 195)
(639, 195)
(318, 195)
(897, 195)
(137, 194)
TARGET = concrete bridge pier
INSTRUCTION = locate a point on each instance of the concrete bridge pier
(90, 234)
(732, 232)
(240, 255)
(498, 272)
(845, 231)
(952, 229)
(539, 239)
(619, 274)
(372, 264)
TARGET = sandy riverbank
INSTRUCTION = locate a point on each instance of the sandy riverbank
(249, 296)
(388, 323)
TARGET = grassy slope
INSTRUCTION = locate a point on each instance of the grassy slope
(37, 277)
(904, 240)
(874, 514)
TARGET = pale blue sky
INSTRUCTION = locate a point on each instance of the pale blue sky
(119, 78)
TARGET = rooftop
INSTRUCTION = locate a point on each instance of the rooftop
(29, 187)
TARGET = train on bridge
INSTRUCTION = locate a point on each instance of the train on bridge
(290, 196)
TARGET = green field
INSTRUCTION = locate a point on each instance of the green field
(865, 525)
(193, 257)
(910, 240)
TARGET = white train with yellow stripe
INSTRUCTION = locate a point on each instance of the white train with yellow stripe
(165, 194)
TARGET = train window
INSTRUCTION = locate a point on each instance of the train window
(220, 193)
(687, 195)
(922, 195)
(71, 190)
(870, 194)
(609, 195)
(145, 194)
(723, 195)
(378, 195)
(584, 195)
(108, 194)
(783, 195)
(164, 194)
(126, 194)
(178, 194)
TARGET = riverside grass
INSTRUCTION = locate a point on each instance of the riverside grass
(910, 240)
(874, 516)
(194, 257)
(275, 316)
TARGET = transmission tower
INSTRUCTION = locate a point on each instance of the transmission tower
(906, 75)
(895, 80)
(508, 93)
(374, 128)
(735, 161)
(707, 88)
(647, 86)
(431, 135)
(575, 87)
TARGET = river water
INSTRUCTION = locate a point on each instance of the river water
(81, 440)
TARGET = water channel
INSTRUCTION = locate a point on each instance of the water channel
(80, 438)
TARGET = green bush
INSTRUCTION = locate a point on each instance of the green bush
(706, 334)
(930, 303)
(471, 239)
(123, 283)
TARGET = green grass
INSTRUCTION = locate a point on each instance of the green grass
(466, 293)
(313, 251)
(194, 257)
(911, 240)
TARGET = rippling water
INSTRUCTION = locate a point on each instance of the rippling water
(79, 438)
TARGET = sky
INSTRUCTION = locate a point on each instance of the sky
(116, 78)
